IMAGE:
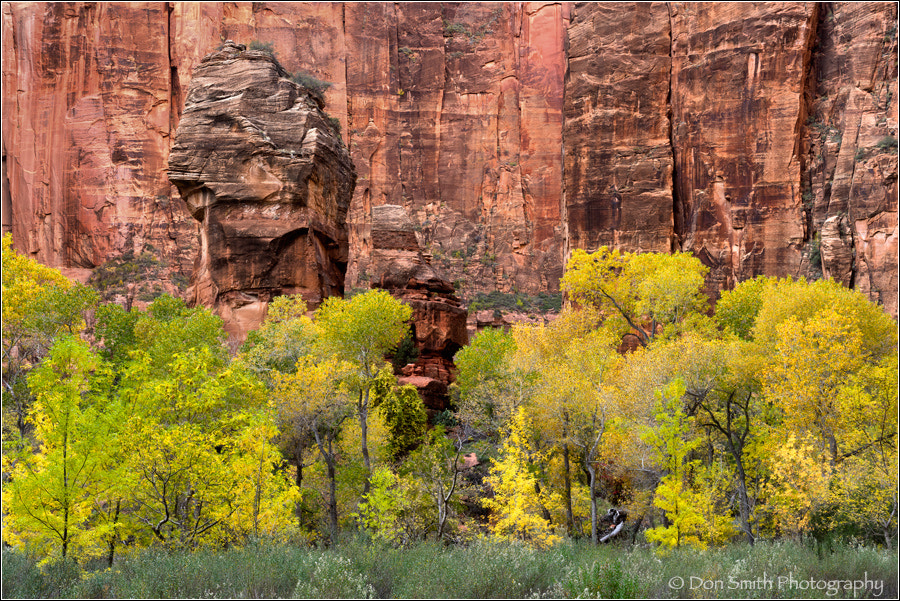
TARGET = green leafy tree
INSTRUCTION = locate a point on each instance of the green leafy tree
(114, 329)
(361, 331)
(436, 466)
(394, 508)
(49, 497)
(723, 395)
(491, 386)
(572, 403)
(403, 413)
(676, 495)
(312, 405)
(184, 433)
(39, 305)
(169, 327)
(286, 335)
(737, 308)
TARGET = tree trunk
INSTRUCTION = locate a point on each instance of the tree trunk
(364, 436)
(298, 480)
(112, 538)
(742, 493)
(567, 479)
(593, 491)
(332, 501)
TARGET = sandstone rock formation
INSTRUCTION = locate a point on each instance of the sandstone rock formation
(735, 130)
(439, 320)
(850, 182)
(618, 148)
(456, 116)
(265, 172)
(87, 122)
(737, 106)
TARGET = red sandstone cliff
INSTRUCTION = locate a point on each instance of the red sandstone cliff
(763, 137)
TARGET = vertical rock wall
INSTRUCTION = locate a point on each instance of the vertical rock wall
(87, 123)
(850, 148)
(738, 78)
(617, 128)
(761, 136)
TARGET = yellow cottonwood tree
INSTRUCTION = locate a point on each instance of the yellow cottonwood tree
(572, 403)
(663, 290)
(196, 473)
(312, 404)
(830, 351)
(689, 493)
(516, 507)
(491, 385)
(39, 305)
(360, 331)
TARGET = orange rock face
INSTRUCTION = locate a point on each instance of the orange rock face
(509, 132)
(850, 181)
(455, 115)
(266, 174)
(737, 106)
(87, 124)
(617, 130)
(439, 319)
(756, 136)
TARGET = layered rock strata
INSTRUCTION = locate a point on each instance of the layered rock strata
(439, 320)
(735, 130)
(264, 171)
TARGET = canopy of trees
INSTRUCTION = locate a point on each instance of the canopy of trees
(775, 417)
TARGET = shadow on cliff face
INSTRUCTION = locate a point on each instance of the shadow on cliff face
(265, 173)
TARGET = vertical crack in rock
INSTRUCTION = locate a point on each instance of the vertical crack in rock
(266, 174)
(803, 132)
(677, 205)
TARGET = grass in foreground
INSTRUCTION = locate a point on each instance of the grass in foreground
(359, 569)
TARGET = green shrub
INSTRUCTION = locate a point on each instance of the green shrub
(602, 581)
(358, 568)
(333, 577)
(113, 277)
(267, 47)
(316, 86)
(335, 124)
(542, 302)
(406, 352)
(446, 418)
(887, 143)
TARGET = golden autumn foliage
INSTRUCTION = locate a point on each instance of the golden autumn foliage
(777, 417)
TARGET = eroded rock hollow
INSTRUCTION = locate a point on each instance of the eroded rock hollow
(264, 171)
(399, 266)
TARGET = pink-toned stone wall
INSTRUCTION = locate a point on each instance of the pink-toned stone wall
(510, 132)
